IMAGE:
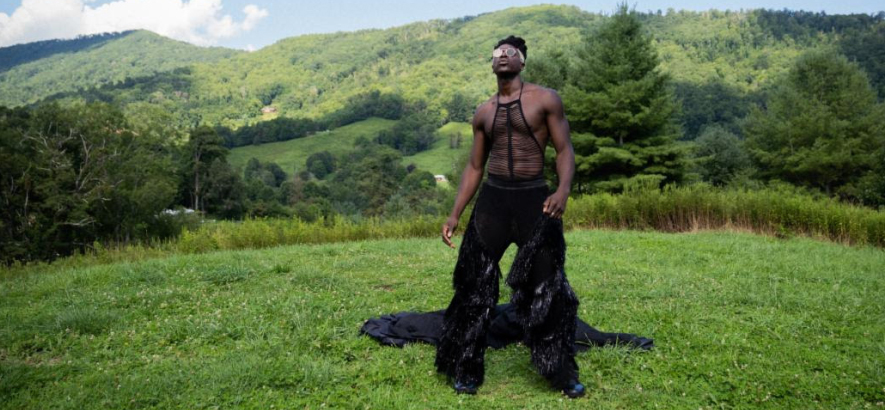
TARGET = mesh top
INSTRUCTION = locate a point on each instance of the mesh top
(515, 153)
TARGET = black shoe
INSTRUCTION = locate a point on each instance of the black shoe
(574, 390)
(465, 388)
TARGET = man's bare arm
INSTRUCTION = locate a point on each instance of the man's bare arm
(470, 178)
(558, 128)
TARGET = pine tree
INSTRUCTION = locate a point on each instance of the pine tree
(621, 110)
(820, 128)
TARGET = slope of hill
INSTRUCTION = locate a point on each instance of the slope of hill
(451, 148)
(31, 72)
(291, 155)
(430, 63)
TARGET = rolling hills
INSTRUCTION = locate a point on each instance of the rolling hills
(427, 63)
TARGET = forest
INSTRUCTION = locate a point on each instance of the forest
(101, 146)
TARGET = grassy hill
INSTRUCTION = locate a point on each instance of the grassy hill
(738, 321)
(440, 158)
(292, 154)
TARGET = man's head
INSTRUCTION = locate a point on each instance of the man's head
(513, 61)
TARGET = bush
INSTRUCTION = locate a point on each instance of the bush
(778, 210)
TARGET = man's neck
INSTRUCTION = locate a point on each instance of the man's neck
(509, 85)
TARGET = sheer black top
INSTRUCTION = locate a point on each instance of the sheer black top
(515, 152)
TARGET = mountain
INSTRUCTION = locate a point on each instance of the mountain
(713, 57)
(31, 72)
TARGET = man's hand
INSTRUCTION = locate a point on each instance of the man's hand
(554, 206)
(448, 229)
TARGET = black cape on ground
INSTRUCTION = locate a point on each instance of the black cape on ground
(398, 329)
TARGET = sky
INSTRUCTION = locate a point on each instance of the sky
(252, 24)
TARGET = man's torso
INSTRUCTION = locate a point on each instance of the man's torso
(533, 110)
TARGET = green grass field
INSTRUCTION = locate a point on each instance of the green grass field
(293, 153)
(441, 158)
(740, 321)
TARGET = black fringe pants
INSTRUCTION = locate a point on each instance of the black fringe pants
(546, 305)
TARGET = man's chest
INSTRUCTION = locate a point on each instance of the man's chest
(525, 111)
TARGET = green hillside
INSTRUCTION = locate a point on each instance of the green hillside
(428, 63)
(738, 320)
(292, 154)
(31, 72)
(442, 157)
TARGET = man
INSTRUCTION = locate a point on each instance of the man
(510, 132)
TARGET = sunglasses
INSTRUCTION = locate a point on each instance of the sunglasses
(510, 52)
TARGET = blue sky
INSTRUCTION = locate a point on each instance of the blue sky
(251, 24)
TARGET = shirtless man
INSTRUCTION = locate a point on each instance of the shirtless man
(510, 131)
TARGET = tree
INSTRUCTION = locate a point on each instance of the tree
(412, 134)
(459, 108)
(368, 177)
(321, 164)
(203, 147)
(621, 109)
(76, 175)
(714, 102)
(223, 190)
(821, 126)
(720, 155)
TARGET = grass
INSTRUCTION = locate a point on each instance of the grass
(440, 158)
(778, 212)
(740, 321)
(292, 154)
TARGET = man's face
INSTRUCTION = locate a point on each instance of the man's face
(507, 64)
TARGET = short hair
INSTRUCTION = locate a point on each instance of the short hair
(517, 42)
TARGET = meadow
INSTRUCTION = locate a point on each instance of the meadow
(739, 321)
(292, 154)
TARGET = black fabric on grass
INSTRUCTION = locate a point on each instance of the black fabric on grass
(400, 329)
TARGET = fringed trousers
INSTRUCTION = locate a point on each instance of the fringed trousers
(508, 213)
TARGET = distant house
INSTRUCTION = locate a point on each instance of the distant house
(440, 178)
(178, 211)
(268, 110)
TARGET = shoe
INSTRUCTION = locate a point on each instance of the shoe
(574, 390)
(465, 388)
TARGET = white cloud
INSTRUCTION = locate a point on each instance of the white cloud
(199, 22)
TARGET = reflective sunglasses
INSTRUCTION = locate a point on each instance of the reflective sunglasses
(510, 52)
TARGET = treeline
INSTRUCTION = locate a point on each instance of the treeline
(819, 126)
(32, 72)
(75, 177)
(23, 53)
(358, 108)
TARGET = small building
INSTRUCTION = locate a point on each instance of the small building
(440, 178)
(268, 110)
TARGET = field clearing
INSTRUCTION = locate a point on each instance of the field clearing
(292, 154)
(739, 321)
(440, 159)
